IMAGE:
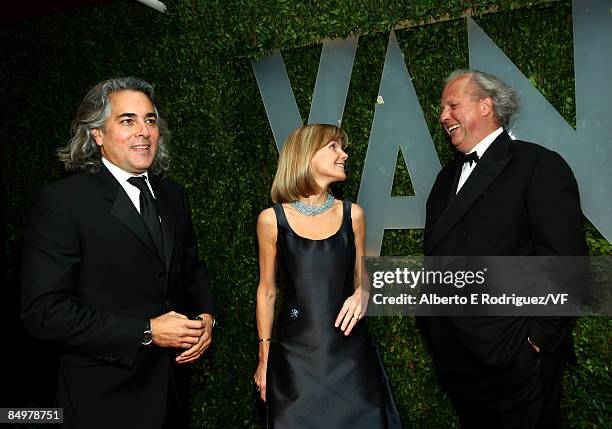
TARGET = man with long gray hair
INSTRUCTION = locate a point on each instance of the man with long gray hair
(501, 197)
(110, 271)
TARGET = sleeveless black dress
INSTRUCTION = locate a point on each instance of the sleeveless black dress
(317, 377)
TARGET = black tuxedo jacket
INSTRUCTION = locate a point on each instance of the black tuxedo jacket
(91, 277)
(521, 199)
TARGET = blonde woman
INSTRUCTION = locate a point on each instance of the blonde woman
(318, 368)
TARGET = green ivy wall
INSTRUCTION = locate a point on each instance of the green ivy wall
(197, 55)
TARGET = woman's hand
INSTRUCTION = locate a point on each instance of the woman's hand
(352, 311)
(260, 373)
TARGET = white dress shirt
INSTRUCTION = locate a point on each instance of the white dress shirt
(480, 149)
(122, 177)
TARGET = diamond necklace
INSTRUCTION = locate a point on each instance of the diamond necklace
(310, 210)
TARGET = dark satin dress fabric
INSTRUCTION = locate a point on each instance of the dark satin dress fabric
(317, 377)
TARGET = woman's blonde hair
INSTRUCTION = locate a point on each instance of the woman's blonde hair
(294, 177)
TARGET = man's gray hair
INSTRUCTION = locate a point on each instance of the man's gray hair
(82, 152)
(505, 98)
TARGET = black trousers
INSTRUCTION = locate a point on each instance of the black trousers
(177, 405)
(527, 397)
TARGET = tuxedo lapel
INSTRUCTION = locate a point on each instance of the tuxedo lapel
(123, 208)
(167, 215)
(452, 189)
(487, 169)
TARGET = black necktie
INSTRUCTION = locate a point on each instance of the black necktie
(470, 157)
(149, 212)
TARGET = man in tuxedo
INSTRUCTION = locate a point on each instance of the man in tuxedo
(110, 271)
(502, 197)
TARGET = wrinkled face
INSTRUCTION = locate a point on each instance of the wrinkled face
(328, 163)
(466, 119)
(130, 135)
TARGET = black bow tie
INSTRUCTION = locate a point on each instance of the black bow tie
(471, 157)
